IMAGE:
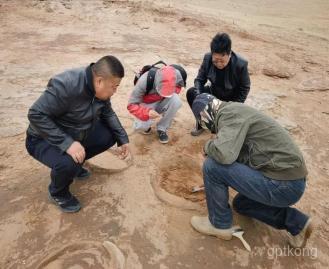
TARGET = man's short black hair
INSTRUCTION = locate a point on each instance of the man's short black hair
(108, 66)
(221, 43)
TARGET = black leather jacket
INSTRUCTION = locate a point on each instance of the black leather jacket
(237, 81)
(68, 109)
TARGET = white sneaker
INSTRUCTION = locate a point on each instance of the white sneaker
(203, 225)
(300, 239)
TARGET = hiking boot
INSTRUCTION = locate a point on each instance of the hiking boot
(83, 174)
(67, 204)
(163, 137)
(203, 225)
(197, 130)
(299, 240)
(147, 131)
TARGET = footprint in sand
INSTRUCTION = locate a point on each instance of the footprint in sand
(176, 178)
(82, 255)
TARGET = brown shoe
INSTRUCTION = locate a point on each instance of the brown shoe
(203, 225)
(299, 240)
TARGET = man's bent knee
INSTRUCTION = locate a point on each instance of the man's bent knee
(236, 202)
(208, 166)
(67, 165)
(240, 202)
(191, 92)
(175, 102)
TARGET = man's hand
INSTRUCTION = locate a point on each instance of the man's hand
(124, 151)
(77, 152)
(153, 114)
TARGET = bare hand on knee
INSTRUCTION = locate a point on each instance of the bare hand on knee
(77, 152)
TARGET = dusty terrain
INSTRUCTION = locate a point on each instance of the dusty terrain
(287, 45)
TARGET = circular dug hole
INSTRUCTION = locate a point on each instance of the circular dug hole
(180, 175)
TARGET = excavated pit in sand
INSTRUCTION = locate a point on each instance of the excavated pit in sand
(177, 176)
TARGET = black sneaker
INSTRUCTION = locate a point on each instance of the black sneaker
(67, 204)
(147, 131)
(163, 137)
(83, 174)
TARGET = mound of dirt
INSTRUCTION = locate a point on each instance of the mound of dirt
(279, 72)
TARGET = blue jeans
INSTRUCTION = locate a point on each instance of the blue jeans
(259, 197)
(63, 167)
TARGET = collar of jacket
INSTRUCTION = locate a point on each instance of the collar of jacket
(89, 80)
(222, 105)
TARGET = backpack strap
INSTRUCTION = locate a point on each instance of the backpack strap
(159, 62)
(150, 79)
(151, 76)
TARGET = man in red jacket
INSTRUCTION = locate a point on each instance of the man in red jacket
(161, 101)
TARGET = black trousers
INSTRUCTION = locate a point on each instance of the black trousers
(191, 94)
(63, 168)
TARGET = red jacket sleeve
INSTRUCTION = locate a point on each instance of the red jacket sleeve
(139, 111)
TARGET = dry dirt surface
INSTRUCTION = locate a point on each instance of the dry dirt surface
(286, 43)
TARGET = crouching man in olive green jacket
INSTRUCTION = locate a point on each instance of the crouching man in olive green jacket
(255, 156)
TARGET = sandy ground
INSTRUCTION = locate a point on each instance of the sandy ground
(141, 209)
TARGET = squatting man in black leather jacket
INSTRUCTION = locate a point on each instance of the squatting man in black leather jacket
(72, 121)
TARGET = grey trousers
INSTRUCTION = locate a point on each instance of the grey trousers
(167, 107)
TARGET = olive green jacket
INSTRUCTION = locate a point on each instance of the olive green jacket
(248, 136)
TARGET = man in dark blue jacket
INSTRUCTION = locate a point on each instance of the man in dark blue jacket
(72, 121)
(227, 73)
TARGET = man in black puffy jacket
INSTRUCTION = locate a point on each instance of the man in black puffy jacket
(227, 73)
(72, 121)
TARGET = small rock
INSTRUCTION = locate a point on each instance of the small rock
(287, 124)
(277, 73)
(314, 84)
(306, 69)
(49, 10)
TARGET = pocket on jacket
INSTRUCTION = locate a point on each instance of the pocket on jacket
(258, 158)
